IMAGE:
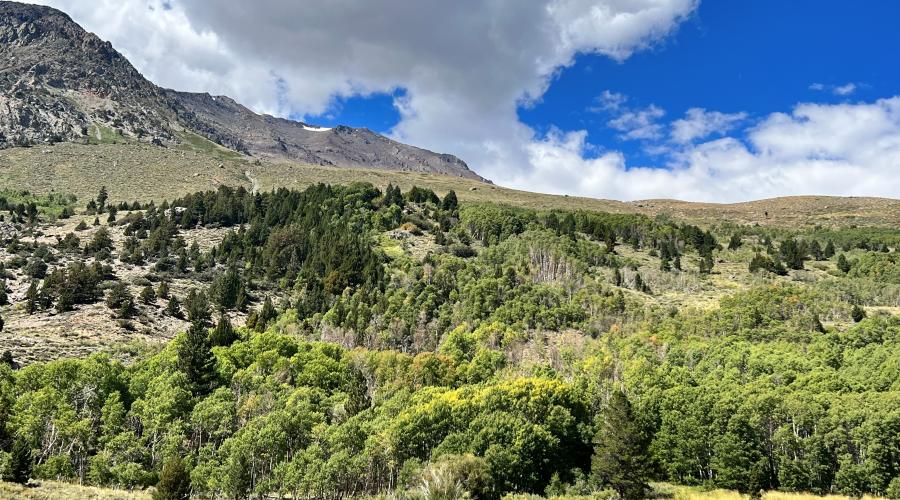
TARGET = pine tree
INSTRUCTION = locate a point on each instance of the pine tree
(816, 250)
(829, 250)
(792, 253)
(174, 481)
(266, 314)
(195, 357)
(857, 313)
(621, 458)
(617, 277)
(31, 298)
(735, 242)
(148, 296)
(101, 199)
(20, 462)
(120, 300)
(843, 264)
(163, 290)
(450, 202)
(173, 307)
(223, 334)
(610, 240)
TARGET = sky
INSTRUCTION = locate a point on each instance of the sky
(626, 99)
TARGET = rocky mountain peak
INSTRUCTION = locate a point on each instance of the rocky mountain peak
(59, 82)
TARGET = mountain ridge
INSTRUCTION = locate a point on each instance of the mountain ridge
(61, 83)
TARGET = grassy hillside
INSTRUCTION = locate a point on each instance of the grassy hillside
(135, 171)
(54, 490)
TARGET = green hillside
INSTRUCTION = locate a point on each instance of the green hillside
(351, 341)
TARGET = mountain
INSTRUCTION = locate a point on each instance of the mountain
(59, 83)
(226, 122)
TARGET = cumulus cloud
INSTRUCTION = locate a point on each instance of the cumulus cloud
(827, 149)
(466, 67)
(699, 123)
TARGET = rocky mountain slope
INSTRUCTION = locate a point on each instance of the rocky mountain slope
(227, 122)
(59, 83)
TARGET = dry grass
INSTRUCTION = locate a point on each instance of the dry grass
(143, 172)
(52, 490)
(689, 493)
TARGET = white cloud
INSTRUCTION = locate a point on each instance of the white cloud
(467, 66)
(845, 89)
(699, 123)
(609, 101)
(839, 149)
(839, 90)
(639, 124)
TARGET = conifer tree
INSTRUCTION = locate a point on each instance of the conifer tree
(735, 242)
(792, 253)
(815, 250)
(617, 277)
(266, 314)
(31, 298)
(148, 296)
(621, 458)
(163, 290)
(101, 199)
(610, 240)
(843, 264)
(829, 250)
(450, 202)
(173, 307)
(20, 461)
(223, 334)
(120, 300)
(857, 313)
(174, 481)
(195, 357)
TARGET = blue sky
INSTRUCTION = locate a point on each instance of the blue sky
(756, 57)
(705, 100)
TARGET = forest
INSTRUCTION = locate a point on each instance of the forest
(349, 342)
